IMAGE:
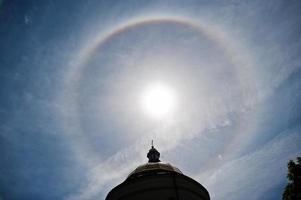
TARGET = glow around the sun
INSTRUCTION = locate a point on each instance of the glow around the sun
(158, 100)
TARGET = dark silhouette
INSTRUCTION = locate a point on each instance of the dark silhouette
(158, 180)
(292, 190)
(153, 155)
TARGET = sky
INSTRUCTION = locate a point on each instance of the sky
(72, 74)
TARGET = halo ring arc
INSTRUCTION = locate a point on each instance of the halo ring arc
(96, 46)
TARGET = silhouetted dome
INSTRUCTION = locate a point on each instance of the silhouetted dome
(152, 168)
(158, 180)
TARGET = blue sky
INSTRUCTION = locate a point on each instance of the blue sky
(72, 74)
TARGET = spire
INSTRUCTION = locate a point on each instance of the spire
(153, 155)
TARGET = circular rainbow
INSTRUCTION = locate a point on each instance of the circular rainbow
(238, 61)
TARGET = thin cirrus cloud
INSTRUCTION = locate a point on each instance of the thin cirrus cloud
(237, 119)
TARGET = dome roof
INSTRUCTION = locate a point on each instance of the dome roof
(158, 180)
(153, 168)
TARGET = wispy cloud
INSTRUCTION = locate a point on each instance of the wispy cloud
(250, 176)
(238, 90)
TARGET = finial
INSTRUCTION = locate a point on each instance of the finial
(153, 155)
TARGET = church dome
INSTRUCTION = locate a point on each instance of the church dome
(158, 180)
(152, 168)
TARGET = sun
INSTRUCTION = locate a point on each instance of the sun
(158, 100)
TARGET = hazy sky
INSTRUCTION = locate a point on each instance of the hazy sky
(72, 74)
